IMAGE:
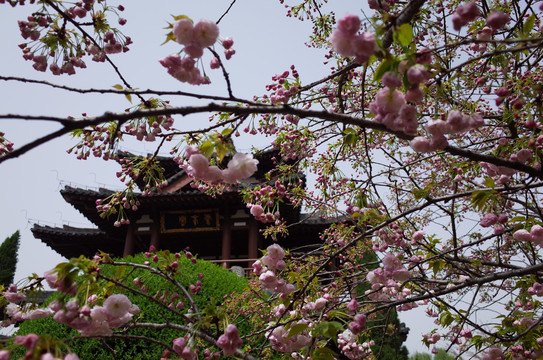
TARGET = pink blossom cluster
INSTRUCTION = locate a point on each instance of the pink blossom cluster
(40, 63)
(347, 42)
(149, 131)
(185, 352)
(497, 20)
(358, 324)
(80, 10)
(195, 37)
(283, 95)
(418, 74)
(116, 310)
(316, 305)
(455, 123)
(391, 109)
(535, 235)
(494, 220)
(63, 285)
(352, 306)
(281, 340)
(32, 341)
(171, 299)
(29, 29)
(349, 346)
(210, 355)
(13, 296)
(111, 44)
(485, 34)
(515, 99)
(70, 55)
(519, 352)
(5, 145)
(227, 44)
(384, 280)
(17, 313)
(95, 141)
(294, 145)
(524, 156)
(391, 236)
(381, 4)
(502, 172)
(493, 354)
(240, 167)
(98, 54)
(230, 341)
(263, 202)
(184, 69)
(228, 53)
(393, 268)
(536, 289)
(431, 338)
(282, 91)
(266, 269)
(464, 14)
(466, 333)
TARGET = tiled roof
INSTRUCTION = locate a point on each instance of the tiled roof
(71, 241)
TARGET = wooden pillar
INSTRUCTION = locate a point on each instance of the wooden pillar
(155, 231)
(226, 249)
(130, 240)
(253, 240)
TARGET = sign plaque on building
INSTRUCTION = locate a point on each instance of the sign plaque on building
(189, 220)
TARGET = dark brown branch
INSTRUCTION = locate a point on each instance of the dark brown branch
(407, 14)
(88, 36)
(71, 124)
(202, 335)
(125, 92)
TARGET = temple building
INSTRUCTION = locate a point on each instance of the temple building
(219, 229)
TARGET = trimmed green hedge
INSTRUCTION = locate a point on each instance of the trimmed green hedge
(216, 283)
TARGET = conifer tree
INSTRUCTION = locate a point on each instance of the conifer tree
(8, 258)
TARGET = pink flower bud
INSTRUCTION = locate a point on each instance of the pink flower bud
(227, 43)
(497, 20)
(488, 220)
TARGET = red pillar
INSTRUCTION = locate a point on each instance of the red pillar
(130, 240)
(253, 240)
(226, 239)
(155, 231)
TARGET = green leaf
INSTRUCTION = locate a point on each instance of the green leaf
(528, 25)
(169, 37)
(118, 86)
(120, 272)
(446, 319)
(480, 199)
(128, 97)
(350, 139)
(489, 182)
(227, 131)
(404, 34)
(179, 17)
(420, 193)
(437, 266)
(297, 329)
(383, 67)
(328, 329)
(517, 219)
(207, 148)
(323, 354)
